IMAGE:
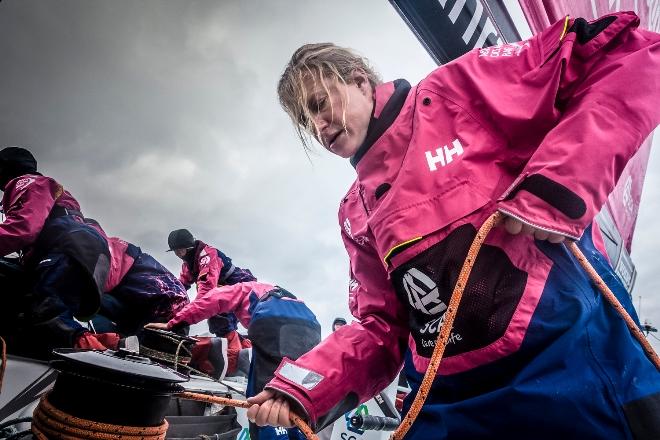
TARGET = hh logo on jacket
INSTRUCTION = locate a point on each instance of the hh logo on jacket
(444, 155)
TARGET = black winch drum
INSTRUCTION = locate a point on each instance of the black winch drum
(116, 387)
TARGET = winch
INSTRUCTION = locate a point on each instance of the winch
(97, 393)
(169, 348)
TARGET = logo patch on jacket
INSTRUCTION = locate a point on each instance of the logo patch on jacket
(426, 282)
(444, 155)
(22, 183)
(503, 50)
(424, 296)
(347, 228)
(423, 293)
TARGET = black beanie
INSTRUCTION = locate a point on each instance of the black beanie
(180, 239)
(15, 162)
(341, 321)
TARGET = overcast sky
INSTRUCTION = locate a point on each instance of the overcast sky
(161, 114)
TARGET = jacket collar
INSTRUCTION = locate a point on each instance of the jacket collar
(192, 257)
(389, 99)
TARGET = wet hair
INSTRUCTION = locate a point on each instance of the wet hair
(318, 62)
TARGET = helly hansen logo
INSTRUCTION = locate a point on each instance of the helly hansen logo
(423, 293)
(503, 50)
(444, 155)
(347, 228)
(22, 183)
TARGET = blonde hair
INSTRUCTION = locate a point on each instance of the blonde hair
(318, 62)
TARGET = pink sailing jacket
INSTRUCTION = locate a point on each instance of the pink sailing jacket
(206, 271)
(27, 203)
(120, 262)
(540, 130)
(234, 298)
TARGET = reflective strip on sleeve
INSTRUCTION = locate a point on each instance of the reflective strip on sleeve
(305, 378)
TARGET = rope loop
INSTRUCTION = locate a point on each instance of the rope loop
(49, 422)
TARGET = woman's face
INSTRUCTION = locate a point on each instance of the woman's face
(181, 252)
(341, 113)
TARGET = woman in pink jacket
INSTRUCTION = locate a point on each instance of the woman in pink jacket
(538, 130)
(66, 261)
(279, 326)
(207, 267)
(138, 289)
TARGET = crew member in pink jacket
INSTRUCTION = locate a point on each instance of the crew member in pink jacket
(539, 130)
(279, 326)
(208, 268)
(66, 260)
(138, 290)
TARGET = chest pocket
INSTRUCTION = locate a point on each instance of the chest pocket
(425, 283)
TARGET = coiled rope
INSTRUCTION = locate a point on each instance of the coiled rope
(49, 422)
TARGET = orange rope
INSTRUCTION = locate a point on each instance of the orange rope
(49, 422)
(614, 302)
(300, 423)
(445, 330)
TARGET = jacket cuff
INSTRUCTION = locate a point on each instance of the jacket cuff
(546, 204)
(177, 326)
(295, 382)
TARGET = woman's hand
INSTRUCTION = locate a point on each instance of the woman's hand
(515, 226)
(269, 409)
(157, 325)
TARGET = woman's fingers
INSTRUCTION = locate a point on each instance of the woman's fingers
(274, 413)
(269, 410)
(527, 229)
(261, 403)
(515, 226)
(261, 397)
(261, 412)
(512, 225)
(285, 416)
(279, 414)
(540, 234)
(556, 238)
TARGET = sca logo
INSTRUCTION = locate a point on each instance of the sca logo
(361, 410)
(423, 293)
